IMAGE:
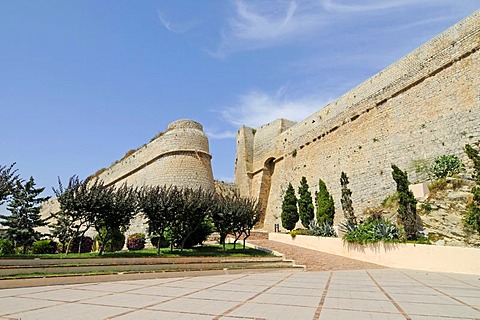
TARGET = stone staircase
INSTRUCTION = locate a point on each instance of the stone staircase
(45, 267)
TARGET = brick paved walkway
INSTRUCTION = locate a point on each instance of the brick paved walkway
(314, 260)
(354, 294)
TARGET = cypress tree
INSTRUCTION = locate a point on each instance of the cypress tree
(25, 208)
(325, 205)
(407, 210)
(305, 203)
(347, 204)
(472, 219)
(289, 209)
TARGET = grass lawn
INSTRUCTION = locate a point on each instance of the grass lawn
(199, 251)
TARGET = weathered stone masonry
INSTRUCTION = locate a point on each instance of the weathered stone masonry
(179, 157)
(425, 105)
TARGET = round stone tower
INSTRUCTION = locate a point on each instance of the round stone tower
(179, 156)
(186, 161)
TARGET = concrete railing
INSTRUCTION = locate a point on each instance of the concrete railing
(407, 256)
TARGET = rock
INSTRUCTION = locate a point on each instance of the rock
(440, 243)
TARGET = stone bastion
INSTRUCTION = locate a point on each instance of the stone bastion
(179, 156)
(423, 106)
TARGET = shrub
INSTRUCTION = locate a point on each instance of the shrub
(347, 204)
(6, 247)
(322, 230)
(44, 247)
(136, 241)
(300, 232)
(437, 185)
(86, 244)
(407, 210)
(372, 231)
(446, 166)
(115, 243)
(472, 219)
(199, 235)
(391, 202)
(157, 241)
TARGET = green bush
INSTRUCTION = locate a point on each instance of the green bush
(6, 247)
(157, 241)
(44, 247)
(446, 166)
(373, 231)
(116, 242)
(200, 235)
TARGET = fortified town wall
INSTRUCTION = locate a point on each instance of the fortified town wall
(425, 105)
(180, 156)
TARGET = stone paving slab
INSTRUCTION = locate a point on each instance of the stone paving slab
(354, 294)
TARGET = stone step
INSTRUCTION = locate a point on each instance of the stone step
(160, 266)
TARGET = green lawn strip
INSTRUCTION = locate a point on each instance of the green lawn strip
(112, 272)
(200, 251)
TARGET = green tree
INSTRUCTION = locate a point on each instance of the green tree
(305, 203)
(191, 207)
(157, 206)
(8, 178)
(289, 209)
(347, 204)
(111, 211)
(73, 220)
(472, 219)
(325, 205)
(407, 211)
(25, 214)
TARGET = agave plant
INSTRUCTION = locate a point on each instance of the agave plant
(323, 230)
(346, 226)
(386, 230)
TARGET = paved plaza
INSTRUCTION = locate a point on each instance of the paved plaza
(353, 294)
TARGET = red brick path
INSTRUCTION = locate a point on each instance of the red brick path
(314, 260)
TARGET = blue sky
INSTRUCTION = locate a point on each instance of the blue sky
(83, 82)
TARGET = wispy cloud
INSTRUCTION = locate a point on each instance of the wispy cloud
(365, 6)
(265, 24)
(175, 27)
(257, 108)
(218, 134)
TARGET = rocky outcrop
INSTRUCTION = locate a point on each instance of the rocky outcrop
(443, 211)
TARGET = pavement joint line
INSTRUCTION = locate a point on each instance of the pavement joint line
(464, 282)
(446, 294)
(318, 311)
(177, 297)
(225, 314)
(404, 314)
(34, 309)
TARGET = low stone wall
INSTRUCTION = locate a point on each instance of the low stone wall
(407, 256)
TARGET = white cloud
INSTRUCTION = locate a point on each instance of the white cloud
(265, 24)
(175, 27)
(367, 6)
(257, 108)
(218, 134)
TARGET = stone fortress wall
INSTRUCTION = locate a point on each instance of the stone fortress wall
(180, 156)
(425, 105)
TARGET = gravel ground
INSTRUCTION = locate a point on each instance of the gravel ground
(315, 260)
